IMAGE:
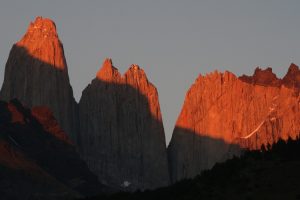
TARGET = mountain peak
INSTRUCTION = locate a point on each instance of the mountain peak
(259, 71)
(293, 68)
(135, 67)
(44, 25)
(41, 42)
(36, 73)
(40, 28)
(126, 112)
(108, 72)
(135, 74)
(221, 116)
(264, 77)
(292, 77)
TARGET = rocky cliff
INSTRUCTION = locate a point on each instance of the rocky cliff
(122, 136)
(223, 114)
(36, 73)
(37, 159)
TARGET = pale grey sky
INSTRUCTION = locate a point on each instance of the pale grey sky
(172, 40)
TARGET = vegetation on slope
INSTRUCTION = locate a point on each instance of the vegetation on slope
(271, 173)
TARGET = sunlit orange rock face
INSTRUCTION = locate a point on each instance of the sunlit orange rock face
(41, 41)
(45, 117)
(223, 114)
(122, 136)
(36, 74)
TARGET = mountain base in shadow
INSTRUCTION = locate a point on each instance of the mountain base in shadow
(37, 159)
(271, 173)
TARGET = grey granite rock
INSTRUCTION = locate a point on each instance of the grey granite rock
(122, 136)
(36, 73)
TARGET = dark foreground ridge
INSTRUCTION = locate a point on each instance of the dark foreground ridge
(269, 173)
(37, 159)
(118, 131)
(117, 127)
(36, 74)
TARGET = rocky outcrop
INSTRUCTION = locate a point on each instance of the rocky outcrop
(122, 136)
(36, 73)
(37, 159)
(223, 114)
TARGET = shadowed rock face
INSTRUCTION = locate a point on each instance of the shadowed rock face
(37, 159)
(224, 114)
(122, 136)
(36, 73)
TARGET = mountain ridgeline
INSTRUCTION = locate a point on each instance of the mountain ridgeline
(37, 159)
(36, 73)
(117, 126)
(122, 136)
(269, 173)
(224, 114)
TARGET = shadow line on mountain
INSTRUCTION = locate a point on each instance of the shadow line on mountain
(49, 154)
(190, 152)
(37, 83)
(126, 134)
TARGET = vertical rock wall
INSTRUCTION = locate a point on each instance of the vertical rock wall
(223, 114)
(122, 133)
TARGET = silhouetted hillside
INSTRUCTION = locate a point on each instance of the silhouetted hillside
(271, 173)
(37, 159)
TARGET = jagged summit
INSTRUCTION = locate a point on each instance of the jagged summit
(292, 78)
(122, 135)
(108, 72)
(40, 28)
(264, 77)
(41, 42)
(36, 74)
(258, 71)
(293, 67)
(135, 75)
(223, 114)
(134, 67)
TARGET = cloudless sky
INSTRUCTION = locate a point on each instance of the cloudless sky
(172, 40)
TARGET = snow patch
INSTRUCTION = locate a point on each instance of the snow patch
(125, 184)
